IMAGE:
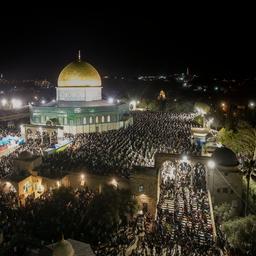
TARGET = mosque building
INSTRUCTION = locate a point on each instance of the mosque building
(79, 107)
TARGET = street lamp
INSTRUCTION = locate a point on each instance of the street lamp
(82, 176)
(223, 106)
(16, 103)
(114, 183)
(251, 104)
(184, 158)
(4, 102)
(211, 164)
(110, 100)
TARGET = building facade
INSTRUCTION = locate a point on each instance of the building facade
(79, 107)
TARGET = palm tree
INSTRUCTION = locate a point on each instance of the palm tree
(249, 170)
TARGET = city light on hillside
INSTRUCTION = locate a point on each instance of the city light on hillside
(16, 103)
(3, 102)
(252, 104)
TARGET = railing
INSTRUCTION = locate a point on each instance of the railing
(212, 216)
(14, 116)
(132, 246)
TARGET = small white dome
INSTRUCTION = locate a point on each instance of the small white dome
(63, 248)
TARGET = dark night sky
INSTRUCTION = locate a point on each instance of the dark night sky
(38, 43)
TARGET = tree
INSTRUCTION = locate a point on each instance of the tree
(180, 106)
(107, 211)
(223, 212)
(241, 234)
(249, 169)
(242, 141)
(226, 137)
(202, 108)
(148, 104)
(199, 120)
(53, 122)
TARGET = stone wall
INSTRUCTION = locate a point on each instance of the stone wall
(226, 186)
(143, 185)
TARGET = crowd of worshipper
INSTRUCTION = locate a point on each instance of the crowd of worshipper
(43, 218)
(35, 144)
(118, 151)
(183, 225)
(43, 137)
(4, 132)
(6, 164)
(35, 147)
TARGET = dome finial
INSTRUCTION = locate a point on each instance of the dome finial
(79, 55)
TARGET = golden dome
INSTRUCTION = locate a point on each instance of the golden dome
(79, 74)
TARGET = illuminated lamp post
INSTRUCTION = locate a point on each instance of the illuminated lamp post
(3, 102)
(114, 183)
(211, 164)
(82, 177)
(16, 103)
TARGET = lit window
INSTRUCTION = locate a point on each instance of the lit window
(96, 119)
(141, 188)
(90, 119)
(84, 120)
(108, 118)
(102, 119)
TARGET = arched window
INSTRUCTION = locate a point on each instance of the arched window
(102, 119)
(96, 119)
(90, 119)
(108, 119)
(84, 120)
